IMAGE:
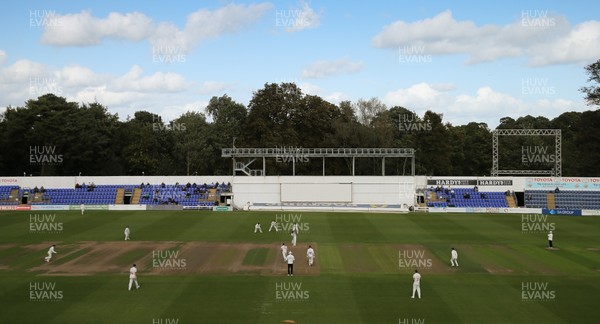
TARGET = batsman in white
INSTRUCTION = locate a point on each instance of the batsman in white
(127, 232)
(273, 226)
(453, 257)
(310, 254)
(133, 277)
(284, 251)
(416, 284)
(294, 237)
(50, 252)
(257, 228)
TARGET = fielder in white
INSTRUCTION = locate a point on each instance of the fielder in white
(284, 251)
(295, 228)
(133, 277)
(50, 252)
(454, 257)
(416, 284)
(82, 207)
(127, 232)
(290, 262)
(550, 238)
(273, 226)
(294, 236)
(310, 254)
(257, 228)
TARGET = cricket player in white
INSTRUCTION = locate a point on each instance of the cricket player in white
(50, 252)
(310, 254)
(133, 277)
(127, 232)
(294, 236)
(290, 261)
(454, 257)
(550, 238)
(284, 251)
(257, 228)
(273, 226)
(295, 228)
(82, 207)
(416, 284)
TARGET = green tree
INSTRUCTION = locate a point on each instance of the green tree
(592, 93)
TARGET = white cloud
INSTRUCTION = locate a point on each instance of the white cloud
(2, 57)
(295, 20)
(79, 76)
(172, 112)
(123, 94)
(157, 82)
(323, 69)
(83, 29)
(419, 96)
(213, 87)
(486, 105)
(543, 39)
(312, 89)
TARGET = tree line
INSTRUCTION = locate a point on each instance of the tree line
(51, 136)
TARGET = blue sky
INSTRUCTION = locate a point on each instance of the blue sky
(471, 61)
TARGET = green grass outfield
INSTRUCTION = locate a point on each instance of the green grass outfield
(361, 279)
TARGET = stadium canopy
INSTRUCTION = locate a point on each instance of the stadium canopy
(293, 154)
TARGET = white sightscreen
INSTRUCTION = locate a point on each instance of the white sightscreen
(316, 192)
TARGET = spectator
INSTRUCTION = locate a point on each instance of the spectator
(35, 189)
(42, 190)
(476, 189)
(162, 185)
(482, 195)
(556, 190)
